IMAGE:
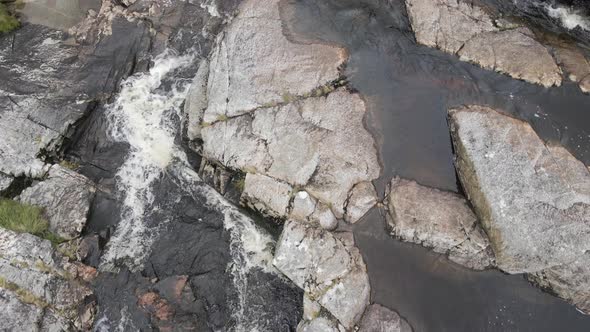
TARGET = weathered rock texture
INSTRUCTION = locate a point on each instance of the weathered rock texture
(463, 28)
(39, 286)
(286, 120)
(66, 197)
(328, 268)
(574, 63)
(377, 318)
(533, 199)
(439, 220)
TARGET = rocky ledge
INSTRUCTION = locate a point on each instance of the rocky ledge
(477, 34)
(533, 200)
(439, 220)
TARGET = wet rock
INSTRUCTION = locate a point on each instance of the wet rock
(533, 199)
(248, 67)
(362, 198)
(513, 52)
(40, 279)
(66, 197)
(329, 270)
(377, 318)
(574, 64)
(318, 144)
(267, 195)
(468, 30)
(439, 220)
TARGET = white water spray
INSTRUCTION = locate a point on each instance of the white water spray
(143, 117)
(570, 18)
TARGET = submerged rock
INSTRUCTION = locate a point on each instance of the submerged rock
(330, 270)
(463, 28)
(533, 199)
(439, 220)
(40, 284)
(66, 197)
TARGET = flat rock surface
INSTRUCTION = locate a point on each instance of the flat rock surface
(330, 270)
(533, 199)
(254, 64)
(463, 28)
(66, 197)
(439, 220)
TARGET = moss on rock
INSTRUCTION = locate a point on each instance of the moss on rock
(7, 21)
(24, 218)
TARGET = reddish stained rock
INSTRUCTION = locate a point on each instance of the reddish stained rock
(153, 304)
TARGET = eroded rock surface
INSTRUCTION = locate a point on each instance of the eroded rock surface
(329, 269)
(66, 197)
(40, 285)
(468, 30)
(377, 318)
(439, 220)
(533, 199)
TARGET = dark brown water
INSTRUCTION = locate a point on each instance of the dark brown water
(408, 89)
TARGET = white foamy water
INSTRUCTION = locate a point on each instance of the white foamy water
(143, 117)
(570, 18)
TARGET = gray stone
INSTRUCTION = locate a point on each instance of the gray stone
(533, 199)
(362, 198)
(377, 318)
(326, 268)
(303, 206)
(311, 309)
(267, 195)
(439, 220)
(5, 182)
(447, 24)
(463, 28)
(42, 276)
(319, 136)
(318, 324)
(196, 102)
(19, 316)
(515, 53)
(66, 197)
(248, 67)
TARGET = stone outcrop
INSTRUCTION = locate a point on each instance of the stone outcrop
(468, 30)
(439, 220)
(66, 197)
(377, 318)
(533, 199)
(329, 269)
(574, 63)
(286, 120)
(39, 285)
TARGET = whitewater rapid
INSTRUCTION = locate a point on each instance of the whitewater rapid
(146, 116)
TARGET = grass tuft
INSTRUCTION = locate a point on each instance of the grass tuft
(7, 21)
(24, 218)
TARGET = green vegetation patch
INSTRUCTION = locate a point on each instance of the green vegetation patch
(23, 294)
(24, 218)
(7, 21)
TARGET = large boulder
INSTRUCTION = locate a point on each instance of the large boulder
(439, 220)
(328, 268)
(39, 283)
(468, 30)
(378, 318)
(66, 197)
(287, 120)
(533, 199)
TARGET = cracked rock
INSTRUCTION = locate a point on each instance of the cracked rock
(329, 270)
(463, 28)
(248, 68)
(66, 197)
(362, 198)
(533, 199)
(41, 280)
(267, 195)
(439, 220)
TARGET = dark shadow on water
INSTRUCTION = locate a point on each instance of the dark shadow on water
(434, 294)
(408, 88)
